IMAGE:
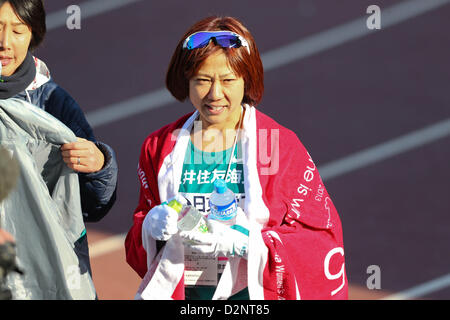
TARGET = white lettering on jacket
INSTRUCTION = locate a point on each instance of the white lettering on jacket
(142, 177)
(303, 190)
(340, 274)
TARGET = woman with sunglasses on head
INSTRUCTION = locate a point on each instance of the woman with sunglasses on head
(286, 242)
(26, 80)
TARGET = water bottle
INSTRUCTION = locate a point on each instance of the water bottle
(189, 218)
(222, 203)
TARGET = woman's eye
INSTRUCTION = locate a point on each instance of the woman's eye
(202, 80)
(19, 31)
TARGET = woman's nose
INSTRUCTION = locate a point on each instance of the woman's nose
(5, 38)
(216, 91)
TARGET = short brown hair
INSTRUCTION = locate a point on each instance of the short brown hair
(185, 63)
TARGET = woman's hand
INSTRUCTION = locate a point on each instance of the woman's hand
(160, 223)
(221, 239)
(83, 156)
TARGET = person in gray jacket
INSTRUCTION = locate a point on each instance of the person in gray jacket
(43, 213)
(23, 76)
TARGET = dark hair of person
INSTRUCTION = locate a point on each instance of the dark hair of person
(185, 63)
(32, 13)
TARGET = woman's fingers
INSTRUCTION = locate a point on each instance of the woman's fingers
(82, 156)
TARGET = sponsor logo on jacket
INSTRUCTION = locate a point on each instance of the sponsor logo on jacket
(303, 190)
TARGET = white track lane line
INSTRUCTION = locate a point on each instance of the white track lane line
(385, 150)
(421, 289)
(346, 32)
(107, 245)
(276, 58)
(89, 9)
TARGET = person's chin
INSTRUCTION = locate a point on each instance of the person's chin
(8, 71)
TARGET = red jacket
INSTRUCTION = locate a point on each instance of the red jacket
(295, 247)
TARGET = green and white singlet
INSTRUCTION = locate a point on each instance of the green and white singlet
(200, 170)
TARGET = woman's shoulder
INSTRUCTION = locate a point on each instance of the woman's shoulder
(60, 102)
(63, 106)
(163, 135)
(169, 128)
(50, 95)
(263, 121)
(286, 139)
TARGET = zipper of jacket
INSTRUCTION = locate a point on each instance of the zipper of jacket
(28, 96)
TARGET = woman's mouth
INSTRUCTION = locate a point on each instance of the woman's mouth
(5, 61)
(215, 109)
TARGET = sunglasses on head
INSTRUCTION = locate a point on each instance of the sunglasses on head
(225, 39)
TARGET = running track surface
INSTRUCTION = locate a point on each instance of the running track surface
(351, 97)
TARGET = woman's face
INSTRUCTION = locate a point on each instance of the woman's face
(217, 92)
(15, 38)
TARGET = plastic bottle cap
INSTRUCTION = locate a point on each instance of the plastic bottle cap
(180, 199)
(220, 186)
(174, 204)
